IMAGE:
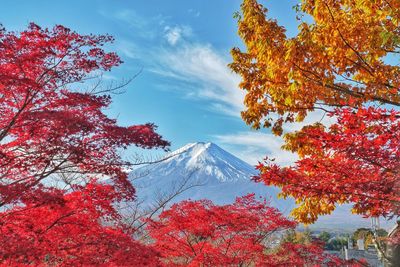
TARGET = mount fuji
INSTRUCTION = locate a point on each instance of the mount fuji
(206, 171)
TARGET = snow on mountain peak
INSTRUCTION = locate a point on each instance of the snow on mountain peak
(207, 170)
(210, 160)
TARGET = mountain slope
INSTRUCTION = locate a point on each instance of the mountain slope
(209, 172)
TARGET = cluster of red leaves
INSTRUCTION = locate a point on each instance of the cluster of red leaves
(52, 128)
(199, 233)
(46, 128)
(354, 160)
(73, 229)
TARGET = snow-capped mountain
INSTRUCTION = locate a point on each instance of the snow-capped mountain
(206, 171)
(207, 160)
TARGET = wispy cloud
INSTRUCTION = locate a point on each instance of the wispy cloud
(254, 146)
(201, 64)
(174, 34)
(197, 65)
(128, 49)
(142, 27)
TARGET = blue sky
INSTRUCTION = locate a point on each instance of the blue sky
(183, 48)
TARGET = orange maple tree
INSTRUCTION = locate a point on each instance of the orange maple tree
(341, 61)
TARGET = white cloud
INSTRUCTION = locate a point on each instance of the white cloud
(202, 65)
(255, 146)
(198, 65)
(128, 49)
(174, 34)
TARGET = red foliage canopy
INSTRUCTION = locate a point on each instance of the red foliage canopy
(47, 128)
(197, 233)
(73, 229)
(52, 128)
(354, 160)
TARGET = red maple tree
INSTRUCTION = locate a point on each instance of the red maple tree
(355, 160)
(52, 127)
(54, 228)
(245, 233)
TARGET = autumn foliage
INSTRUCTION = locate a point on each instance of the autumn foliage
(354, 160)
(47, 125)
(58, 147)
(54, 228)
(342, 61)
(245, 233)
(55, 146)
(340, 57)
